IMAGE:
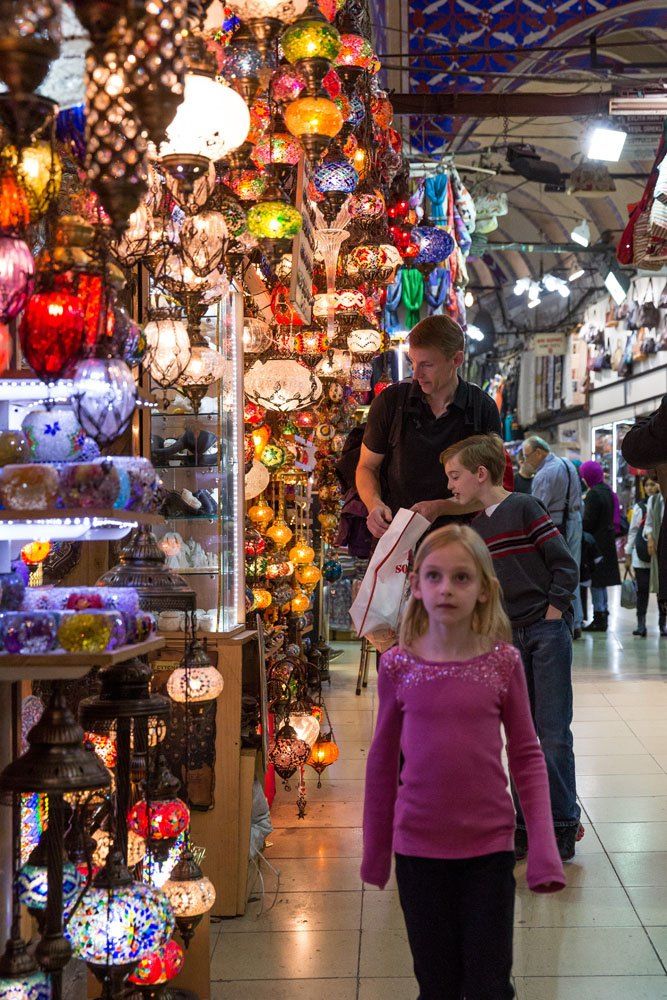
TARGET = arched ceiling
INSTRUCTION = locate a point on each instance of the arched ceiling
(508, 46)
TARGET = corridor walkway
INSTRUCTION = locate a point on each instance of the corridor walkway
(603, 938)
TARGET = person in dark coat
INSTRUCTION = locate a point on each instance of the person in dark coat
(599, 515)
(645, 447)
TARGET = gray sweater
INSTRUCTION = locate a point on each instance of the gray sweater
(530, 558)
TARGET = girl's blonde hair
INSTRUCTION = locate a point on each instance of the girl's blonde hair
(489, 617)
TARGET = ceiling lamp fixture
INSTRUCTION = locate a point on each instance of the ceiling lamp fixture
(552, 283)
(581, 234)
(265, 18)
(195, 679)
(606, 143)
(618, 284)
(576, 274)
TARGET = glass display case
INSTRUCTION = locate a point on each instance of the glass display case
(606, 448)
(199, 455)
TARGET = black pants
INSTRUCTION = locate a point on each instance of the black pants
(459, 915)
(643, 577)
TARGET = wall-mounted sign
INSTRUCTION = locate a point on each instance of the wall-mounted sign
(549, 344)
(303, 250)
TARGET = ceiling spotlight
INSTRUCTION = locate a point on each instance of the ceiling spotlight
(532, 303)
(618, 285)
(474, 332)
(534, 291)
(469, 299)
(576, 274)
(522, 286)
(606, 144)
(581, 234)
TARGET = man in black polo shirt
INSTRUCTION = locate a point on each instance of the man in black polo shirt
(411, 423)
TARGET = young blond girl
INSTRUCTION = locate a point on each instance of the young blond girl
(444, 693)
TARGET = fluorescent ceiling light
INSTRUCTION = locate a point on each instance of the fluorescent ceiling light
(534, 290)
(606, 144)
(617, 286)
(576, 274)
(639, 104)
(474, 332)
(563, 290)
(533, 302)
(581, 234)
(522, 285)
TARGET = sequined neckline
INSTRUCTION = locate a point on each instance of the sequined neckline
(449, 663)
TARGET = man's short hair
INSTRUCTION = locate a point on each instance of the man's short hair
(537, 442)
(481, 449)
(439, 332)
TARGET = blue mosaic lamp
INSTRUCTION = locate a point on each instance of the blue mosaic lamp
(335, 173)
(434, 244)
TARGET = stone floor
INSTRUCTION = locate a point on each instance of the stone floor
(602, 938)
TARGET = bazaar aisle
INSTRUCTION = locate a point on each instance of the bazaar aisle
(602, 938)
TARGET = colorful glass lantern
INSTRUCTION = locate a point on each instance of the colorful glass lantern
(275, 220)
(286, 84)
(287, 752)
(283, 311)
(365, 341)
(104, 397)
(157, 967)
(260, 439)
(203, 240)
(357, 53)
(356, 112)
(282, 385)
(168, 350)
(262, 598)
(382, 110)
(195, 679)
(343, 303)
(256, 335)
(308, 576)
(433, 244)
(14, 205)
(248, 185)
(335, 173)
(104, 745)
(310, 343)
(332, 570)
(160, 819)
(39, 171)
(301, 553)
(279, 148)
(29, 985)
(241, 64)
(118, 920)
(315, 121)
(323, 754)
(305, 725)
(212, 121)
(136, 848)
(273, 457)
(17, 269)
(255, 545)
(280, 533)
(190, 893)
(32, 883)
(310, 37)
(261, 514)
(51, 332)
(367, 205)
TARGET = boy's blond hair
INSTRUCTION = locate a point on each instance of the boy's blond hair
(482, 449)
(489, 618)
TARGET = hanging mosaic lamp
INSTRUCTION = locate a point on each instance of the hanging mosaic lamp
(305, 725)
(286, 84)
(261, 514)
(168, 350)
(241, 64)
(365, 341)
(17, 269)
(32, 881)
(310, 44)
(315, 121)
(367, 204)
(282, 385)
(354, 58)
(279, 148)
(274, 219)
(433, 244)
(118, 921)
(287, 753)
(190, 893)
(20, 978)
(51, 332)
(158, 967)
(301, 553)
(195, 680)
(280, 533)
(104, 398)
(336, 178)
(308, 576)
(14, 205)
(39, 171)
(162, 816)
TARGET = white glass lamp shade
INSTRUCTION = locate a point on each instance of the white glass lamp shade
(190, 898)
(135, 241)
(195, 684)
(253, 10)
(168, 350)
(212, 121)
(282, 385)
(117, 926)
(104, 397)
(256, 335)
(206, 366)
(257, 480)
(306, 727)
(136, 848)
(335, 364)
(175, 272)
(365, 341)
(203, 241)
(28, 986)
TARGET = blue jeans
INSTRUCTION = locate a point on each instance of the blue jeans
(546, 651)
(599, 598)
(573, 535)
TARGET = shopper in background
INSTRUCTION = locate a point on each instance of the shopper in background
(556, 483)
(538, 577)
(655, 511)
(599, 520)
(645, 447)
(639, 553)
(444, 693)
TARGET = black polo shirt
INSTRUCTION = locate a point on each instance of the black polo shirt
(412, 471)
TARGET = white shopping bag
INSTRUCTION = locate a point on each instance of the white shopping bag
(377, 607)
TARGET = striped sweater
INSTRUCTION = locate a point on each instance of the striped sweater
(530, 558)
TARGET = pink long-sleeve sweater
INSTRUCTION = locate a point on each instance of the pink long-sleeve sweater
(453, 800)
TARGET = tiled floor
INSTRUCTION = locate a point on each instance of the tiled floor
(602, 938)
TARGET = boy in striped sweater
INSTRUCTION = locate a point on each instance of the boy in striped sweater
(538, 577)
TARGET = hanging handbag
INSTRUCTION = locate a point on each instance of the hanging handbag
(626, 365)
(649, 314)
(628, 592)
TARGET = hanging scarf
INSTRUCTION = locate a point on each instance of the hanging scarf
(413, 295)
(416, 202)
(436, 189)
(462, 235)
(392, 301)
(437, 286)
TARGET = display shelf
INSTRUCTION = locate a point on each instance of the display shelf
(189, 468)
(62, 665)
(91, 524)
(196, 570)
